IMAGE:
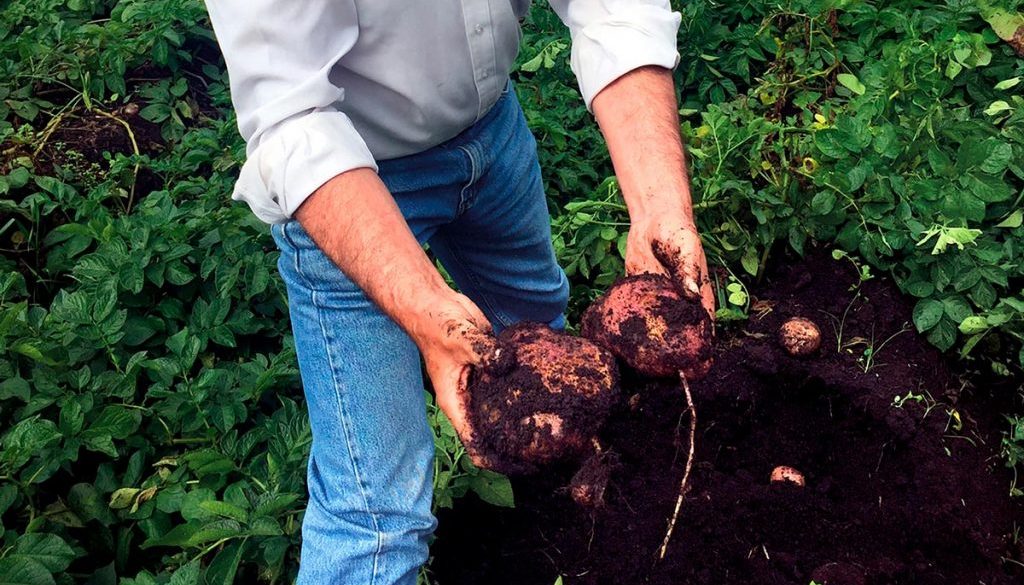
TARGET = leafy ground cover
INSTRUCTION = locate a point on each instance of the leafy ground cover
(151, 422)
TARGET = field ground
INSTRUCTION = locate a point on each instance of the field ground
(152, 425)
(903, 481)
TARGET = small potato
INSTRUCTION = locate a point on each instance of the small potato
(544, 405)
(787, 474)
(650, 325)
(800, 336)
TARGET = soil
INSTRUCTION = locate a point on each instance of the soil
(898, 490)
(651, 326)
(543, 400)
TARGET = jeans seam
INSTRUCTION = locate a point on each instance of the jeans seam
(346, 429)
(297, 262)
(474, 175)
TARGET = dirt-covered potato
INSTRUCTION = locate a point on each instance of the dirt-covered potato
(800, 337)
(654, 328)
(591, 480)
(786, 474)
(547, 405)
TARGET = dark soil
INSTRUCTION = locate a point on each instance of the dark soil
(543, 401)
(897, 492)
(648, 323)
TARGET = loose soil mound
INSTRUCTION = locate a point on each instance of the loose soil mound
(896, 493)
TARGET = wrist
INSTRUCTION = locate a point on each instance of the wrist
(657, 206)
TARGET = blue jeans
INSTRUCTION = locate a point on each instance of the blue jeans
(478, 202)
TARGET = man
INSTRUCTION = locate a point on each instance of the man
(376, 126)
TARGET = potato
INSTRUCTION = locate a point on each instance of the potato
(800, 337)
(648, 323)
(787, 474)
(588, 485)
(546, 405)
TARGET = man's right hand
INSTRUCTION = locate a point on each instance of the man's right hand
(453, 338)
(355, 221)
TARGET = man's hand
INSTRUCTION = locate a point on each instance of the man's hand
(452, 339)
(639, 119)
(670, 245)
(356, 222)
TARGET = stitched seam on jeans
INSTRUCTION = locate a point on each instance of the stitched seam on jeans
(470, 274)
(463, 199)
(353, 457)
(297, 253)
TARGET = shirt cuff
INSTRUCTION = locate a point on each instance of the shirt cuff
(618, 43)
(299, 156)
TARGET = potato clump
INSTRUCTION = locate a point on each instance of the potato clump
(544, 406)
(651, 326)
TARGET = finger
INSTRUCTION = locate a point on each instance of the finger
(458, 414)
(454, 404)
(707, 298)
(682, 268)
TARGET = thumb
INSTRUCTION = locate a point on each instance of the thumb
(685, 274)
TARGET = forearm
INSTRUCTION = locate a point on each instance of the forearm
(355, 221)
(639, 118)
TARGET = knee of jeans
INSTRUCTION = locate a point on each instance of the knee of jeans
(390, 519)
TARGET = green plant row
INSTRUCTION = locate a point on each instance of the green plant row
(152, 428)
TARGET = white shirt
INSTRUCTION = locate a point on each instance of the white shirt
(325, 86)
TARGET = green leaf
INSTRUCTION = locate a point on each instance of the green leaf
(920, 289)
(87, 503)
(195, 533)
(973, 324)
(851, 83)
(1008, 83)
(117, 422)
(224, 509)
(1014, 220)
(493, 488)
(989, 189)
(186, 575)
(14, 388)
(17, 571)
(27, 439)
(943, 335)
(47, 549)
(997, 107)
(224, 566)
(956, 308)
(123, 498)
(927, 314)
(750, 262)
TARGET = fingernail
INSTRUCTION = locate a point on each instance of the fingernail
(692, 287)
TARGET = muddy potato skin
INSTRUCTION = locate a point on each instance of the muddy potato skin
(548, 405)
(786, 474)
(651, 326)
(800, 336)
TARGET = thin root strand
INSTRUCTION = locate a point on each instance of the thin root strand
(686, 472)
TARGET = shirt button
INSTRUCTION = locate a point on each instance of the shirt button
(485, 74)
(479, 29)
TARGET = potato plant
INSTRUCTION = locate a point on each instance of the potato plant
(151, 421)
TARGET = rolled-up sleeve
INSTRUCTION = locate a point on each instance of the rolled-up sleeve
(279, 57)
(613, 37)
